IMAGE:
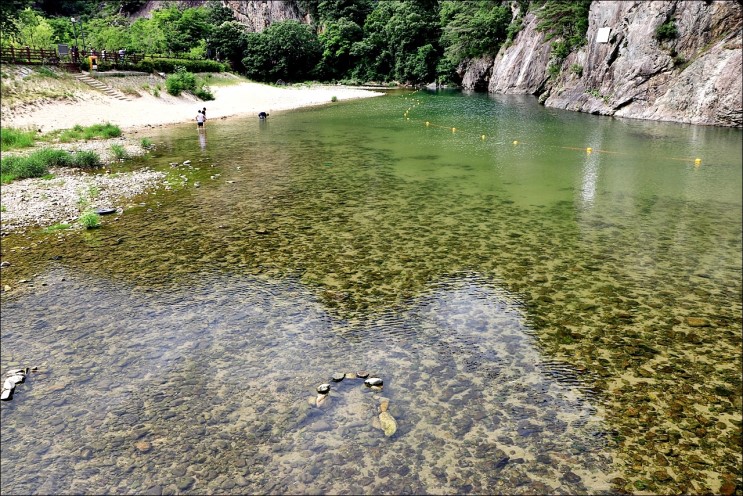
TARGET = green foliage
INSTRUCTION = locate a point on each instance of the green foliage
(90, 220)
(474, 29)
(563, 20)
(79, 132)
(9, 13)
(337, 42)
(145, 143)
(36, 164)
(32, 29)
(181, 81)
(577, 69)
(119, 152)
(204, 93)
(57, 227)
(16, 138)
(285, 50)
(228, 40)
(666, 31)
(171, 65)
(396, 35)
(85, 160)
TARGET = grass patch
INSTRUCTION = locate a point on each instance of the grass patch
(85, 133)
(146, 143)
(90, 220)
(37, 164)
(16, 138)
(57, 227)
(119, 152)
(34, 165)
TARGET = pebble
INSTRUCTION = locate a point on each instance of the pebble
(323, 388)
(373, 381)
(143, 446)
(338, 377)
(388, 423)
(362, 374)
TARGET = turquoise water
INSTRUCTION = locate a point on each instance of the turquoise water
(545, 319)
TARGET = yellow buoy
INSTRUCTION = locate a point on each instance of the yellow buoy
(589, 149)
(482, 137)
(407, 118)
(697, 161)
(454, 130)
(428, 123)
(515, 142)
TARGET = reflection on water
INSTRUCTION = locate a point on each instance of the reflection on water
(545, 320)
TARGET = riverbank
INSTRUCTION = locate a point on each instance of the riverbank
(145, 110)
(38, 202)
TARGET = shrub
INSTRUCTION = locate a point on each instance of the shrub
(204, 93)
(85, 160)
(90, 220)
(181, 81)
(57, 227)
(171, 65)
(577, 69)
(119, 152)
(146, 142)
(666, 31)
(34, 165)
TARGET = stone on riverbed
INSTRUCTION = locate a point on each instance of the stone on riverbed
(373, 381)
(338, 377)
(323, 388)
(322, 400)
(6, 395)
(362, 374)
(388, 423)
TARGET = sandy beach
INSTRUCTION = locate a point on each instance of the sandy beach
(28, 203)
(146, 110)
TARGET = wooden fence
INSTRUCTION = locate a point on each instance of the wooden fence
(28, 55)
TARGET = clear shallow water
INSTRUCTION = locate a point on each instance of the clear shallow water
(545, 320)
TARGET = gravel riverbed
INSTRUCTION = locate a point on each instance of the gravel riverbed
(38, 202)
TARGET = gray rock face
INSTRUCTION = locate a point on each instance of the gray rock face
(694, 78)
(258, 15)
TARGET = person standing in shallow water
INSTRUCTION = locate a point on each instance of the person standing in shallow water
(200, 120)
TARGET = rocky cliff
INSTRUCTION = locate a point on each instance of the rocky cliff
(256, 15)
(693, 78)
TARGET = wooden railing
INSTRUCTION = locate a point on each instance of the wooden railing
(28, 55)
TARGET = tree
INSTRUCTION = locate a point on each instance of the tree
(285, 50)
(9, 12)
(337, 43)
(230, 42)
(146, 37)
(33, 30)
(473, 29)
(393, 34)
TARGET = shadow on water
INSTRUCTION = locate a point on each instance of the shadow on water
(534, 310)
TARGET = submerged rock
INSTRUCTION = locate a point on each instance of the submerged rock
(323, 388)
(384, 404)
(338, 377)
(362, 374)
(388, 423)
(322, 400)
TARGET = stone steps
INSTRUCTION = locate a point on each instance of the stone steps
(94, 83)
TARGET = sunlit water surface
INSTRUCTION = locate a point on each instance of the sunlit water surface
(545, 319)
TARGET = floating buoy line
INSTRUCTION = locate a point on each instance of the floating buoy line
(483, 137)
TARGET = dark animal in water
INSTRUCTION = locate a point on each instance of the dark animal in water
(262, 115)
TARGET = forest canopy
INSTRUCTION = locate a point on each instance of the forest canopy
(348, 41)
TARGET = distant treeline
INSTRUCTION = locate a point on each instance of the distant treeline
(348, 41)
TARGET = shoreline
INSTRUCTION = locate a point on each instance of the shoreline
(38, 203)
(146, 110)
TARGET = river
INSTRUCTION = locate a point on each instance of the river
(552, 299)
